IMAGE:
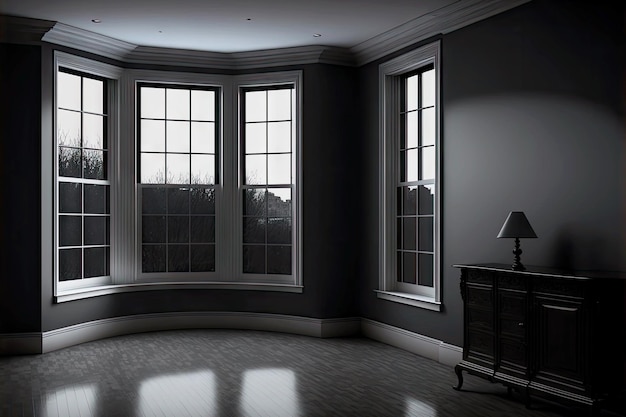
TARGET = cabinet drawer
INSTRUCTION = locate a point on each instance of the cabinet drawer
(512, 282)
(561, 287)
(480, 277)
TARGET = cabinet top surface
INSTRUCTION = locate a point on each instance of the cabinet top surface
(545, 271)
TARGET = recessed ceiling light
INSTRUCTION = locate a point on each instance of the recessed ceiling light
(96, 20)
(317, 35)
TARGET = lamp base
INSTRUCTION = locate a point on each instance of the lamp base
(517, 264)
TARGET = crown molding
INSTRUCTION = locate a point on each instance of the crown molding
(84, 40)
(241, 60)
(15, 29)
(444, 20)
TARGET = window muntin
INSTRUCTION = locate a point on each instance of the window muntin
(178, 172)
(267, 169)
(82, 177)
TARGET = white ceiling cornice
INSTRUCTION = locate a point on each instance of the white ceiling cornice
(445, 20)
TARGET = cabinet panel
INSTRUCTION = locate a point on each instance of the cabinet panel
(561, 342)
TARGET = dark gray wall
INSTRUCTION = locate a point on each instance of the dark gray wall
(533, 120)
(20, 255)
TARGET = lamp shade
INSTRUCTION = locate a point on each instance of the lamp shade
(517, 225)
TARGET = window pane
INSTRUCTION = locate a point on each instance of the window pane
(153, 258)
(153, 229)
(96, 230)
(256, 169)
(279, 202)
(254, 259)
(68, 128)
(411, 165)
(152, 136)
(68, 91)
(279, 169)
(428, 127)
(426, 234)
(203, 137)
(202, 258)
(409, 268)
(279, 104)
(202, 229)
(93, 95)
(256, 139)
(178, 200)
(70, 231)
(152, 103)
(426, 199)
(409, 233)
(93, 131)
(427, 163)
(178, 229)
(177, 104)
(177, 169)
(279, 230)
(411, 130)
(254, 229)
(254, 203)
(279, 260)
(153, 200)
(202, 201)
(426, 269)
(177, 138)
(411, 93)
(428, 88)
(70, 197)
(409, 200)
(95, 262)
(153, 168)
(178, 258)
(202, 169)
(96, 199)
(255, 106)
(70, 264)
(70, 162)
(94, 164)
(202, 105)
(279, 137)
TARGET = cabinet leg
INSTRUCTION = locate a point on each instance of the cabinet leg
(459, 374)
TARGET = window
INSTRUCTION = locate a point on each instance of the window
(165, 178)
(268, 132)
(81, 168)
(410, 189)
(178, 156)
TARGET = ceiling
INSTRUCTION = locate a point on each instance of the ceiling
(232, 25)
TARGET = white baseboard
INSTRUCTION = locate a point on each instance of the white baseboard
(34, 343)
(428, 347)
(100, 329)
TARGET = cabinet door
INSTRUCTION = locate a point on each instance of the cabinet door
(512, 330)
(561, 342)
(479, 326)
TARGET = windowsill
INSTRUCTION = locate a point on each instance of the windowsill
(410, 299)
(78, 294)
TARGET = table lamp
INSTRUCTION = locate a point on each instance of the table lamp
(517, 226)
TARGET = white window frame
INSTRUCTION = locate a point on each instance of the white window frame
(125, 242)
(390, 76)
(259, 80)
(113, 75)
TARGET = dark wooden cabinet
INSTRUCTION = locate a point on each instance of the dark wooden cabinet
(545, 332)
